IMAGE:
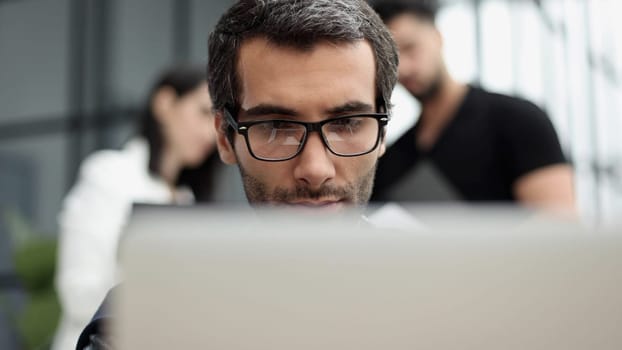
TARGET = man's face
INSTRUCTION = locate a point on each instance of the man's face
(420, 49)
(325, 82)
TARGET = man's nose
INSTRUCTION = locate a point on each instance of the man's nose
(314, 163)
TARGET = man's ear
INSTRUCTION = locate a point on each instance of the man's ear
(383, 146)
(162, 103)
(225, 149)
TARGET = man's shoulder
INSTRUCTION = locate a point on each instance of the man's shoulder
(507, 114)
(503, 104)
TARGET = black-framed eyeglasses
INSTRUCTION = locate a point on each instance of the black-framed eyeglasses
(279, 140)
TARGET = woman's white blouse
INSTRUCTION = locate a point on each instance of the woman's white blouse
(93, 216)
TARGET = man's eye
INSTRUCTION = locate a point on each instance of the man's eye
(277, 131)
(349, 124)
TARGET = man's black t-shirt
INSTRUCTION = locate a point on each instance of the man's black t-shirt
(491, 141)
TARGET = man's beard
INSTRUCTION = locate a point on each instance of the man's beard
(432, 90)
(357, 193)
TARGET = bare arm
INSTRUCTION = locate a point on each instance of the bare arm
(548, 187)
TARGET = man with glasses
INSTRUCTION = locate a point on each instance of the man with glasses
(300, 90)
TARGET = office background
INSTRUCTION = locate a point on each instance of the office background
(74, 73)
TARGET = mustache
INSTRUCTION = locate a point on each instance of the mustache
(302, 192)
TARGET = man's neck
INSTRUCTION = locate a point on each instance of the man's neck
(437, 111)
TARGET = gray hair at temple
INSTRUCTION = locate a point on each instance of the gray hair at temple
(299, 24)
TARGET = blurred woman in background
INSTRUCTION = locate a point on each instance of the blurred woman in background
(171, 161)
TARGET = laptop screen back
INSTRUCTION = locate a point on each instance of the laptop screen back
(203, 278)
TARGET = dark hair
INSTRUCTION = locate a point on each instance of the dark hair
(183, 79)
(423, 9)
(299, 24)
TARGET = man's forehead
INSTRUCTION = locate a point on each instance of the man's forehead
(257, 51)
(275, 73)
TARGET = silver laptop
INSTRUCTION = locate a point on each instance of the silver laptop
(204, 278)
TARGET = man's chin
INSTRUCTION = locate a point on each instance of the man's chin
(419, 92)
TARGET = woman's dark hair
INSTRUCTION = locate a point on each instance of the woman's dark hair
(182, 79)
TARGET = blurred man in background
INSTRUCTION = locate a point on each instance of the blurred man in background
(468, 144)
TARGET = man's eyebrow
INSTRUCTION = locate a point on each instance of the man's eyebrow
(352, 107)
(268, 109)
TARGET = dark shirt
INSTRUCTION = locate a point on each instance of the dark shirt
(491, 141)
